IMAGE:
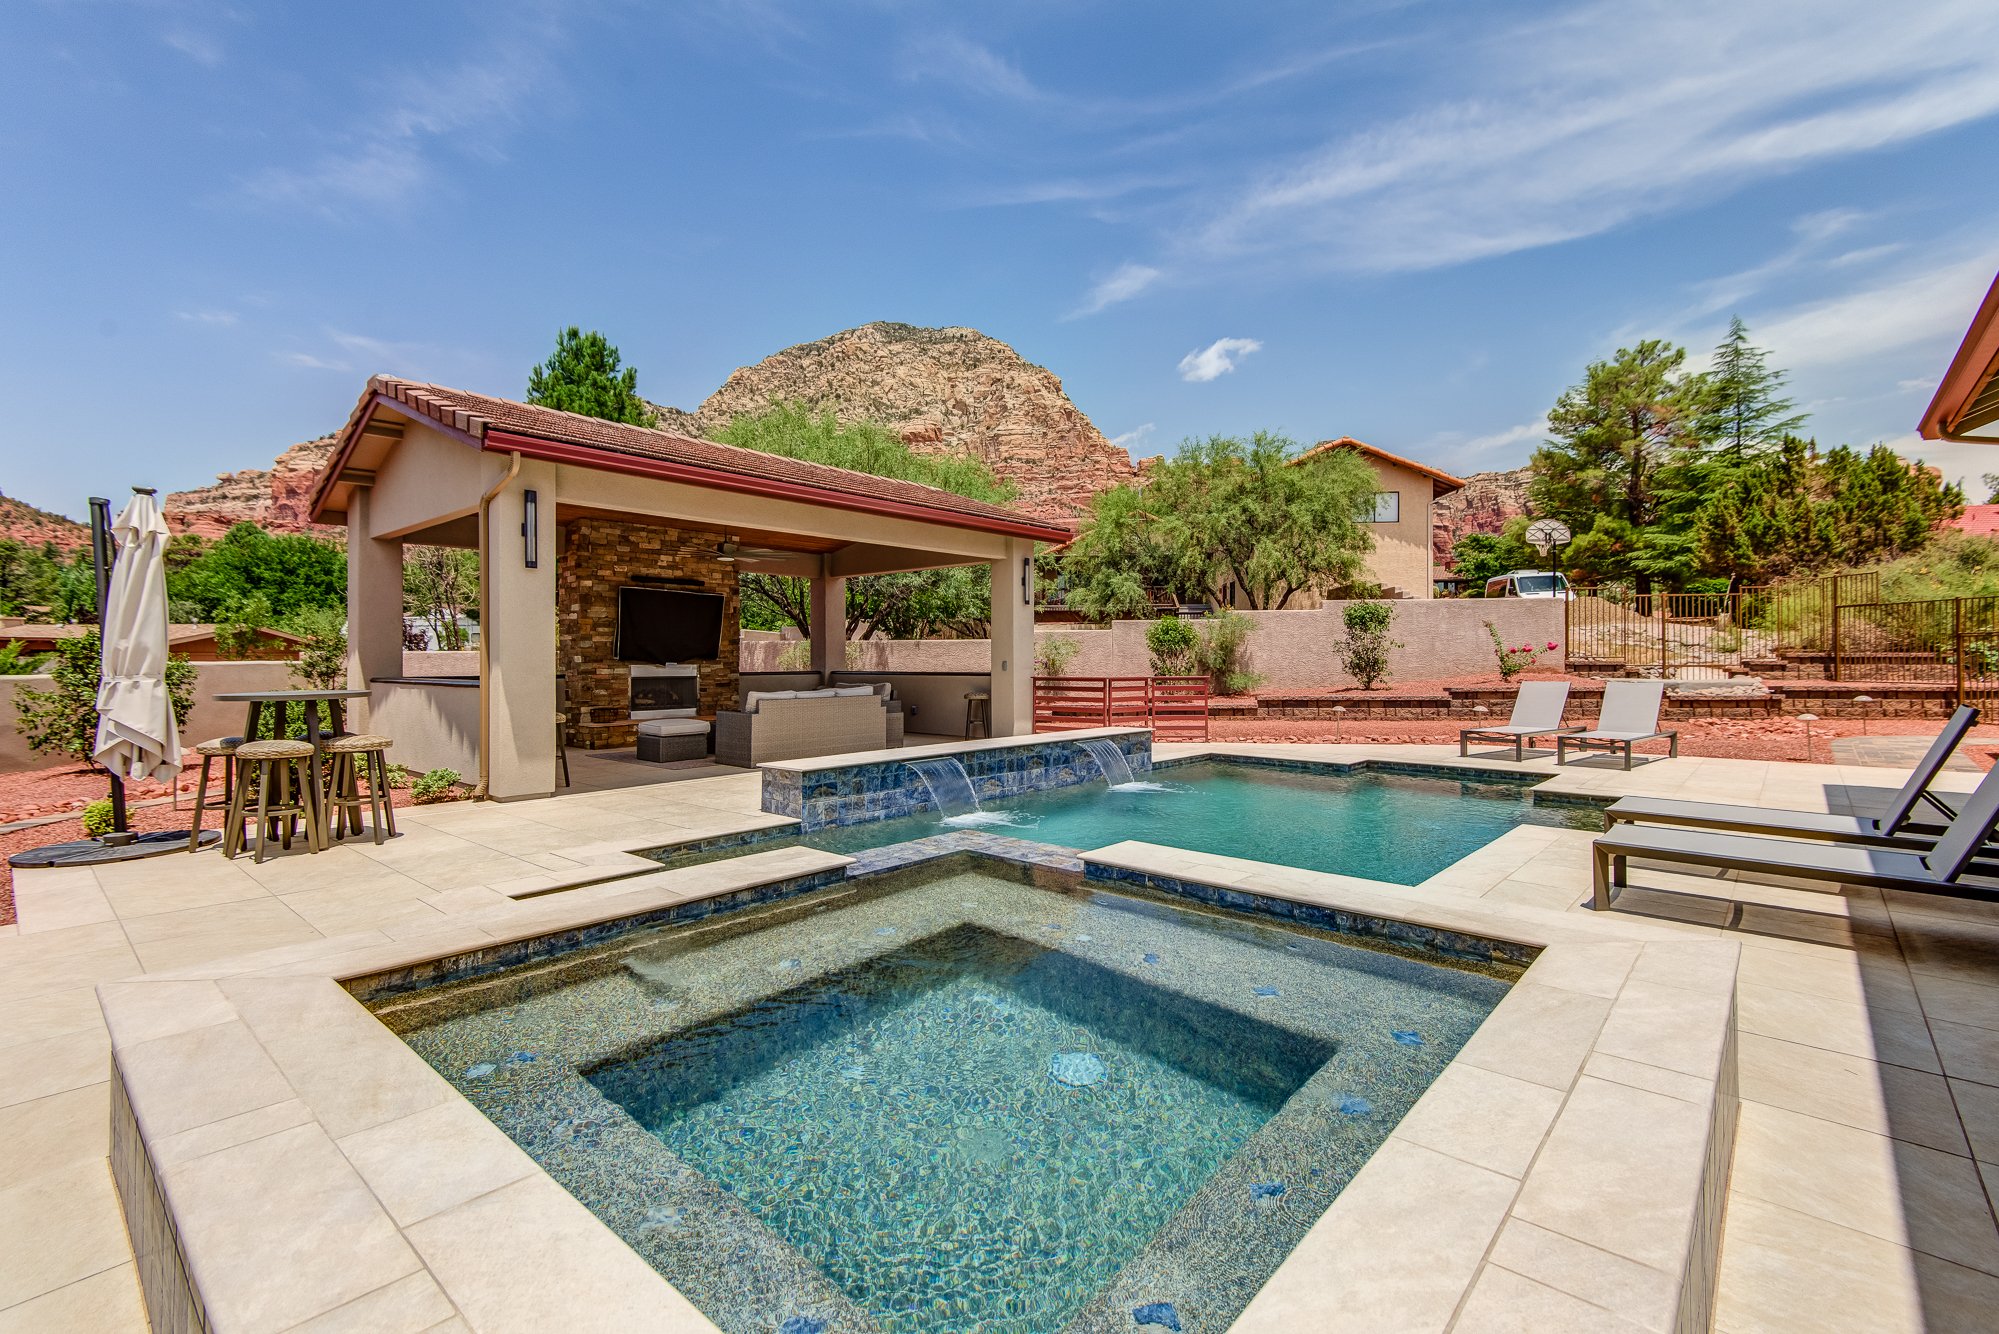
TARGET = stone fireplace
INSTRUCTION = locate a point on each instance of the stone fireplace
(595, 558)
(658, 691)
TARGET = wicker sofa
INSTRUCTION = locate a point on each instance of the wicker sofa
(793, 725)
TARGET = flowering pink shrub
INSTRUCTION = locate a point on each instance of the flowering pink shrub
(1517, 658)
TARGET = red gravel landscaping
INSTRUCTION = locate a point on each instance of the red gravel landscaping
(67, 789)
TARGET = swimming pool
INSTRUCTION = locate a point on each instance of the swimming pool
(1397, 827)
(956, 1099)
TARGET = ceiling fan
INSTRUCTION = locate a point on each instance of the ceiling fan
(730, 551)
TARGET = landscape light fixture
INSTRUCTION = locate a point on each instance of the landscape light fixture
(1862, 700)
(531, 527)
(1808, 719)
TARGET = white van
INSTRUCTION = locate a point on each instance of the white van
(1529, 584)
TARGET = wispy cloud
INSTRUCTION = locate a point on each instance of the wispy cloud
(1216, 359)
(201, 48)
(212, 318)
(308, 361)
(1910, 307)
(1543, 137)
(1134, 435)
(1495, 449)
(1122, 284)
(391, 155)
(968, 66)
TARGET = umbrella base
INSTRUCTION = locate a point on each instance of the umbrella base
(95, 852)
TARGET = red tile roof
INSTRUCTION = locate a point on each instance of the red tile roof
(502, 424)
(1978, 520)
(1444, 481)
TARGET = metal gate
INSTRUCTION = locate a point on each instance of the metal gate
(1937, 641)
(1667, 634)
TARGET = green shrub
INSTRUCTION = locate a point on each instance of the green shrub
(97, 817)
(1516, 659)
(1364, 652)
(13, 662)
(1053, 655)
(1174, 646)
(399, 775)
(1224, 652)
(436, 785)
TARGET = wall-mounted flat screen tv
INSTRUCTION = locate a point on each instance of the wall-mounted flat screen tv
(668, 625)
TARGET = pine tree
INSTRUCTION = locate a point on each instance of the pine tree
(1618, 448)
(583, 375)
(1742, 411)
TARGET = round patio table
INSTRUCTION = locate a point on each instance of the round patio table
(259, 700)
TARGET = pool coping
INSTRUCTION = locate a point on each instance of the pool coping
(282, 1156)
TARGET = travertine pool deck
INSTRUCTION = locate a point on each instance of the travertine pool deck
(1866, 1034)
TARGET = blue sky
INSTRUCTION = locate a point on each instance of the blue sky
(1412, 223)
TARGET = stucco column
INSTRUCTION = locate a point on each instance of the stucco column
(829, 626)
(374, 602)
(520, 633)
(1013, 642)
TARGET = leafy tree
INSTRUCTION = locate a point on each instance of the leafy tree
(1226, 511)
(322, 658)
(1478, 557)
(1173, 645)
(583, 375)
(29, 575)
(954, 600)
(63, 720)
(441, 589)
(1618, 449)
(15, 662)
(1742, 411)
(290, 572)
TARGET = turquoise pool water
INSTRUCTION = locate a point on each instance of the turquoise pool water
(956, 1100)
(1399, 828)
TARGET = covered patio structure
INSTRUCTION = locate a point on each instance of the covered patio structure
(564, 510)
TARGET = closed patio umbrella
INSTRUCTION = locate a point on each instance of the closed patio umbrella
(136, 735)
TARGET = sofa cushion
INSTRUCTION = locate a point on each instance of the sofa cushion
(640, 715)
(849, 692)
(756, 697)
(826, 693)
(674, 727)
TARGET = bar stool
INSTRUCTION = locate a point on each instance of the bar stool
(979, 712)
(342, 798)
(284, 770)
(562, 744)
(224, 748)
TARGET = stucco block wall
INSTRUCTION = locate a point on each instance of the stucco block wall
(209, 717)
(597, 557)
(1294, 650)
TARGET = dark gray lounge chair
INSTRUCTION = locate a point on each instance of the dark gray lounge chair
(1630, 714)
(1537, 711)
(1895, 826)
(1936, 871)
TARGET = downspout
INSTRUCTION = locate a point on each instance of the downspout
(485, 626)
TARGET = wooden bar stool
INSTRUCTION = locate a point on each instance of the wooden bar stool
(343, 796)
(287, 791)
(979, 712)
(223, 748)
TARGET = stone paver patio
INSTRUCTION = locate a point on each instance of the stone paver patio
(1867, 1026)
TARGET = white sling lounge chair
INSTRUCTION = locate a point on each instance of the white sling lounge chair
(1630, 714)
(1537, 711)
(1936, 871)
(1896, 825)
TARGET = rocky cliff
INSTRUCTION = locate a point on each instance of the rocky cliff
(24, 523)
(1487, 501)
(274, 498)
(941, 390)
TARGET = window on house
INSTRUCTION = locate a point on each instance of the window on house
(1387, 508)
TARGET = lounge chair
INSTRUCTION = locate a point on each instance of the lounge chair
(1537, 711)
(1893, 826)
(1936, 871)
(1630, 714)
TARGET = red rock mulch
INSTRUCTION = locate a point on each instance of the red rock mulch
(69, 788)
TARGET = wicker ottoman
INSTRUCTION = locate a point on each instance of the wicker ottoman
(665, 739)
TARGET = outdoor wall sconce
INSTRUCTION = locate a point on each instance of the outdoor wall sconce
(1027, 580)
(531, 527)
